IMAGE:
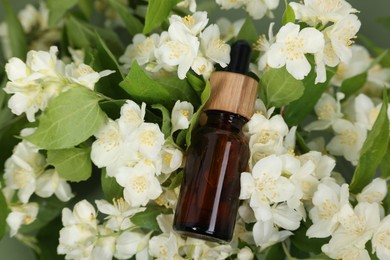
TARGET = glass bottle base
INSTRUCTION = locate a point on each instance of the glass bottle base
(199, 233)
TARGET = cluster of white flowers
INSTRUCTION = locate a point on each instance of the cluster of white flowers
(136, 153)
(350, 124)
(41, 78)
(82, 237)
(332, 28)
(350, 227)
(257, 9)
(35, 24)
(188, 43)
(25, 173)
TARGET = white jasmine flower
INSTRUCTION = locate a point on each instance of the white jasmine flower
(348, 141)
(189, 4)
(22, 169)
(313, 12)
(230, 4)
(165, 246)
(341, 36)
(202, 66)
(192, 24)
(265, 185)
(84, 75)
(323, 163)
(228, 29)
(291, 46)
(78, 56)
(140, 185)
(132, 116)
(119, 213)
(357, 226)
(180, 50)
(213, 47)
(104, 247)
(327, 109)
(148, 140)
(182, 113)
(245, 253)
(375, 191)
(79, 234)
(258, 8)
(345, 252)
(328, 201)
(286, 217)
(304, 181)
(381, 239)
(23, 214)
(366, 112)
(108, 147)
(266, 234)
(172, 158)
(379, 76)
(264, 45)
(360, 62)
(50, 183)
(129, 244)
(141, 50)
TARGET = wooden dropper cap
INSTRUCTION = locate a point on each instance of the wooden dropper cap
(232, 90)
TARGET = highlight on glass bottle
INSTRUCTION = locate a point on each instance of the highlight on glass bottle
(208, 200)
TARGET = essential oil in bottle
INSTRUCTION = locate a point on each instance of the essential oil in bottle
(208, 200)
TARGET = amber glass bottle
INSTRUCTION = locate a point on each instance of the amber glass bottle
(208, 200)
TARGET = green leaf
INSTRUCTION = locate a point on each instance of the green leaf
(3, 214)
(87, 7)
(72, 164)
(386, 201)
(275, 252)
(305, 244)
(248, 32)
(385, 61)
(300, 108)
(57, 9)
(111, 189)
(373, 150)
(133, 25)
(156, 13)
(70, 119)
(288, 15)
(353, 84)
(16, 36)
(82, 35)
(166, 120)
(176, 181)
(147, 219)
(385, 164)
(281, 88)
(48, 238)
(194, 120)
(49, 209)
(196, 83)
(164, 91)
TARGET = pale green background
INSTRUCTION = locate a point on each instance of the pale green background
(10, 249)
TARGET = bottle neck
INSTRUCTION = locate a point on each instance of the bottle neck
(225, 120)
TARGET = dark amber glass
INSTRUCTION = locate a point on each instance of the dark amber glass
(208, 200)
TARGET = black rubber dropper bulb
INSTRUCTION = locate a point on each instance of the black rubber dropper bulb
(240, 55)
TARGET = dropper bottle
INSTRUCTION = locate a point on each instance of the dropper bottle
(209, 195)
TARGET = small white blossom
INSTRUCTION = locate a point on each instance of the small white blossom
(190, 4)
(132, 116)
(84, 75)
(129, 244)
(381, 239)
(79, 234)
(328, 201)
(193, 23)
(327, 109)
(228, 29)
(374, 192)
(50, 183)
(245, 254)
(290, 48)
(180, 50)
(313, 12)
(257, 9)
(366, 112)
(148, 139)
(140, 185)
(266, 234)
(141, 50)
(182, 113)
(213, 47)
(264, 45)
(172, 158)
(348, 141)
